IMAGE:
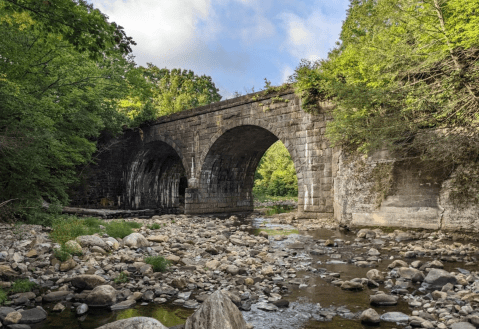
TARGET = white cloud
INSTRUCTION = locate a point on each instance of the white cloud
(310, 37)
(173, 33)
(285, 73)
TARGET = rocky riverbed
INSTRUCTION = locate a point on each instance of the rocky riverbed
(281, 272)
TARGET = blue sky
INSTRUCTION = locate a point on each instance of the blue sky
(236, 42)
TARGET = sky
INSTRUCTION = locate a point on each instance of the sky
(238, 43)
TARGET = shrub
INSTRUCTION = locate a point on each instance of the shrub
(158, 263)
(65, 228)
(118, 229)
(23, 285)
(122, 278)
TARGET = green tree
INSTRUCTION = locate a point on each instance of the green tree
(275, 174)
(404, 77)
(157, 92)
(55, 99)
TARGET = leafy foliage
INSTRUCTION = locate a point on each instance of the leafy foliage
(66, 79)
(403, 77)
(275, 174)
(157, 92)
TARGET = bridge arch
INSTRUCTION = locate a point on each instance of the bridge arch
(156, 177)
(228, 164)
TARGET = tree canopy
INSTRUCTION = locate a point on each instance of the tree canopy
(404, 76)
(65, 71)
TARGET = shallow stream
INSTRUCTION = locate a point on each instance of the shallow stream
(314, 297)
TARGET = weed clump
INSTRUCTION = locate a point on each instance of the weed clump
(120, 229)
(3, 296)
(23, 285)
(154, 226)
(159, 264)
(122, 278)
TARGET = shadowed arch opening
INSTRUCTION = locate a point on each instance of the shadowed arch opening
(156, 179)
(227, 174)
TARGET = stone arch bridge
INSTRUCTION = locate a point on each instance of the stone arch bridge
(203, 160)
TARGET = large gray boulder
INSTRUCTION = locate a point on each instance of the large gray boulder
(369, 316)
(91, 241)
(139, 322)
(408, 273)
(87, 281)
(33, 315)
(101, 296)
(217, 311)
(383, 300)
(438, 278)
(136, 240)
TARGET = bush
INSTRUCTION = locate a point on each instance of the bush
(158, 263)
(23, 285)
(119, 229)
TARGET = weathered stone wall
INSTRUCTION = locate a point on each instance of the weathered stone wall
(382, 191)
(213, 152)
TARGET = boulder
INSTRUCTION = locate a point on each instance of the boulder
(73, 246)
(7, 271)
(158, 238)
(394, 317)
(232, 269)
(366, 234)
(375, 275)
(212, 264)
(139, 322)
(383, 300)
(408, 273)
(87, 281)
(92, 240)
(82, 309)
(350, 285)
(438, 278)
(369, 316)
(56, 296)
(68, 265)
(217, 311)
(12, 318)
(397, 263)
(112, 243)
(33, 315)
(136, 240)
(123, 305)
(101, 296)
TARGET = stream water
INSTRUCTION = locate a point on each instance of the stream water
(314, 297)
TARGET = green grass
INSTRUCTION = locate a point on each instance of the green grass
(23, 285)
(280, 209)
(154, 226)
(64, 252)
(266, 198)
(120, 229)
(158, 263)
(66, 228)
(122, 278)
(3, 296)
